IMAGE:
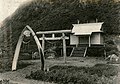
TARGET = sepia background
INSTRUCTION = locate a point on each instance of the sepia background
(7, 7)
(93, 66)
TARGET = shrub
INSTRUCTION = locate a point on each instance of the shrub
(75, 75)
(110, 44)
(103, 69)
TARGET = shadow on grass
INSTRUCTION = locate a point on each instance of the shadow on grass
(23, 65)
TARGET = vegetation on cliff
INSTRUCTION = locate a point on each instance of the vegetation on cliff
(61, 14)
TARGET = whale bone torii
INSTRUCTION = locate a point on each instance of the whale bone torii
(17, 50)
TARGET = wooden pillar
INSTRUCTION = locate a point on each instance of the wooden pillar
(89, 41)
(53, 35)
(64, 47)
(43, 41)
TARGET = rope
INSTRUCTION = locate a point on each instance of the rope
(54, 42)
(26, 42)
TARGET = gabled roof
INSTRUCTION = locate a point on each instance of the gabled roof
(86, 29)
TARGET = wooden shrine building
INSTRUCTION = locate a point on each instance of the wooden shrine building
(81, 37)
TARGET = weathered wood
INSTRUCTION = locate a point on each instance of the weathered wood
(43, 42)
(51, 32)
(85, 52)
(53, 35)
(64, 47)
(51, 38)
(89, 41)
(72, 51)
(55, 38)
(105, 53)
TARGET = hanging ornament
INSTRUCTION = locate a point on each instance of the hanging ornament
(26, 33)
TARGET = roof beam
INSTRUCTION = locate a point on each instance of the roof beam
(51, 32)
(55, 38)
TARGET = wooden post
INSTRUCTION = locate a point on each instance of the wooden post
(89, 42)
(85, 52)
(43, 42)
(53, 35)
(64, 47)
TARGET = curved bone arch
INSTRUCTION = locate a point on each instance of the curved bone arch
(17, 50)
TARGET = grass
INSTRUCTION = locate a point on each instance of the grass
(22, 65)
(76, 75)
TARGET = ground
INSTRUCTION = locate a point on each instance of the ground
(19, 75)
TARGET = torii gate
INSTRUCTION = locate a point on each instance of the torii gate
(17, 50)
(63, 37)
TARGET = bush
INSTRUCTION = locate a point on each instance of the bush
(103, 69)
(111, 48)
(75, 75)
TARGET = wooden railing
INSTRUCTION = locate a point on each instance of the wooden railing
(72, 51)
(85, 52)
